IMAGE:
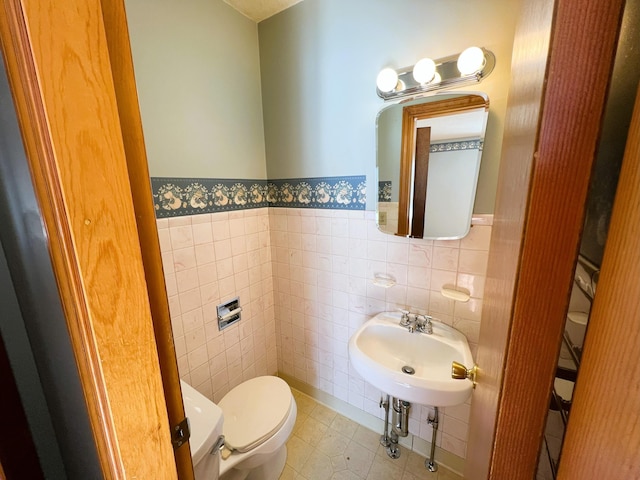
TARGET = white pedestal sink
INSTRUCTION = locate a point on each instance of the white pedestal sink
(381, 348)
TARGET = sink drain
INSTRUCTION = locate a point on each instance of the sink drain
(408, 370)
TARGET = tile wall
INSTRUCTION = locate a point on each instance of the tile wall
(304, 277)
(209, 259)
(324, 262)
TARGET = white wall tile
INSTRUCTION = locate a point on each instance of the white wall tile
(170, 284)
(186, 279)
(179, 221)
(474, 283)
(183, 258)
(478, 238)
(398, 252)
(181, 237)
(305, 277)
(420, 269)
(202, 218)
(196, 274)
(190, 300)
(474, 261)
(202, 233)
(445, 258)
(164, 237)
(420, 253)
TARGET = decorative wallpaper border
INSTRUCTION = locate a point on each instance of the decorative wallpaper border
(384, 191)
(345, 193)
(174, 197)
(453, 146)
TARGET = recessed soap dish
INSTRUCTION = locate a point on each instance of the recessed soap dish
(455, 293)
(228, 313)
(384, 281)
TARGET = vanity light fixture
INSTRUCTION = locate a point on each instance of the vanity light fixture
(469, 67)
(424, 71)
(387, 80)
(470, 60)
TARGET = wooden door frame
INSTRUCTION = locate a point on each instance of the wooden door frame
(119, 46)
(62, 79)
(609, 378)
(555, 110)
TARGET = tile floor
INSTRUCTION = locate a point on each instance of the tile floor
(328, 446)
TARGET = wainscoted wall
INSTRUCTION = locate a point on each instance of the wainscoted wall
(323, 265)
(305, 281)
(208, 259)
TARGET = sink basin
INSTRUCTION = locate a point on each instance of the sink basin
(381, 348)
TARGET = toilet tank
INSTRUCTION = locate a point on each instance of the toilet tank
(205, 423)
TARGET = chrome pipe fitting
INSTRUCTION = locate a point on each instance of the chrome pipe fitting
(430, 463)
(400, 417)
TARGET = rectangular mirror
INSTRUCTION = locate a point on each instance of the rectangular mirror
(428, 158)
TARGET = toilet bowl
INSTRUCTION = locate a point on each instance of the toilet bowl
(256, 419)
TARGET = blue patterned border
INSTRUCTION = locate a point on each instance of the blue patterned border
(384, 191)
(174, 197)
(344, 193)
(453, 146)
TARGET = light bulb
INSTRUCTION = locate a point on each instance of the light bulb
(471, 60)
(387, 80)
(424, 70)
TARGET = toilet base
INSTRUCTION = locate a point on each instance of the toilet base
(269, 470)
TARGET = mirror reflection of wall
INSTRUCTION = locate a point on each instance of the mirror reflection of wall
(457, 125)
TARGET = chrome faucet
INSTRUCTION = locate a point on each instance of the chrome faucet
(406, 321)
(416, 323)
(423, 324)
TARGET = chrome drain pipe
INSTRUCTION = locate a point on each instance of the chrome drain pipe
(430, 463)
(401, 417)
(389, 439)
(384, 439)
(399, 424)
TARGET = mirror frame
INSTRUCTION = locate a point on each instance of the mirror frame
(410, 116)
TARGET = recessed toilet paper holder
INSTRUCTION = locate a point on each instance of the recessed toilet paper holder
(228, 313)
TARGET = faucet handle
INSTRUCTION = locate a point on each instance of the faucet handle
(404, 320)
(424, 324)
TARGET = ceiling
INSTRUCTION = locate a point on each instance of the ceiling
(258, 10)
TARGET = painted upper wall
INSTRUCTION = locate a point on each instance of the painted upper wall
(198, 75)
(319, 60)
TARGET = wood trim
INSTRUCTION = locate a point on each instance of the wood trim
(578, 73)
(528, 73)
(441, 108)
(423, 145)
(609, 382)
(410, 115)
(119, 46)
(64, 96)
(407, 149)
(21, 72)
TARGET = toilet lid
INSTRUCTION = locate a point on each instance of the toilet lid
(253, 411)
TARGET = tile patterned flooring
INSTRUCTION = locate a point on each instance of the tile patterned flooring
(328, 446)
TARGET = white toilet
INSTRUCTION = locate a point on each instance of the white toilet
(256, 419)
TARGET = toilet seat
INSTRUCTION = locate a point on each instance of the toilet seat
(253, 411)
